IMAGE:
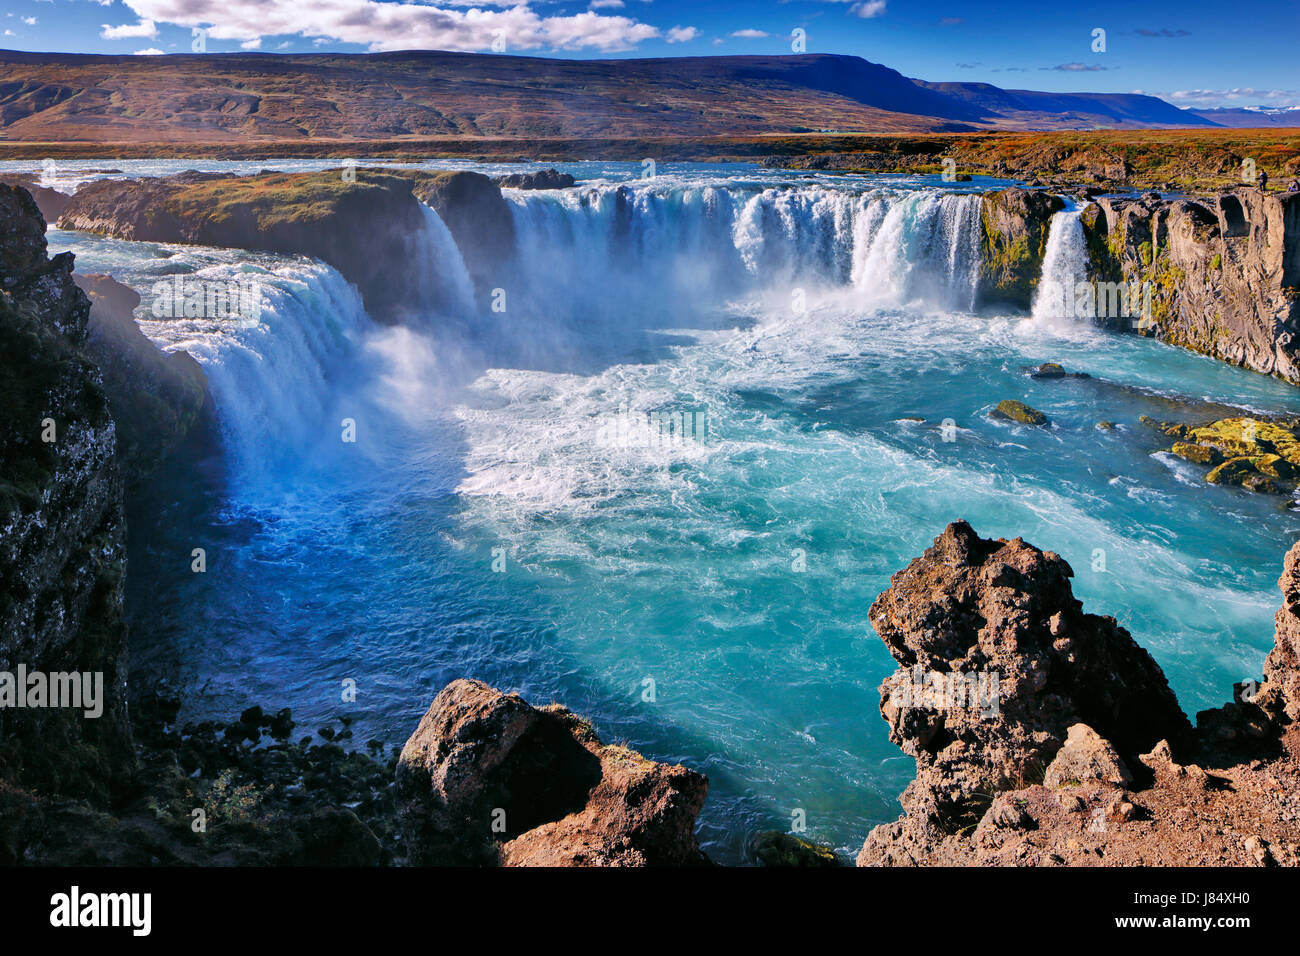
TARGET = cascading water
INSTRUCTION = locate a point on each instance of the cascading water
(508, 531)
(1065, 265)
(274, 370)
(447, 284)
(689, 247)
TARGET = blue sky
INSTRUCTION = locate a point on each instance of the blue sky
(1191, 53)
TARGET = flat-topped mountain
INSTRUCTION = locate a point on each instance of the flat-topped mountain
(49, 97)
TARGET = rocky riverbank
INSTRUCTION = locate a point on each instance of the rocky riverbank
(1073, 750)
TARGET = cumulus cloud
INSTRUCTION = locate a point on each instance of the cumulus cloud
(152, 51)
(406, 25)
(750, 34)
(868, 9)
(606, 4)
(145, 28)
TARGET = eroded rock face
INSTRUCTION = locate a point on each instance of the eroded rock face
(61, 522)
(1224, 273)
(487, 778)
(1225, 793)
(1015, 228)
(1282, 666)
(999, 617)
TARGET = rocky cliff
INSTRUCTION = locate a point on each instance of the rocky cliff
(1015, 224)
(61, 524)
(1223, 272)
(1078, 752)
(489, 779)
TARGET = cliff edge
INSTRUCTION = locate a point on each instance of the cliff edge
(1046, 736)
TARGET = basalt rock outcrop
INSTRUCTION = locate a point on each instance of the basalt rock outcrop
(1079, 753)
(1223, 273)
(62, 530)
(155, 397)
(542, 179)
(488, 779)
(51, 202)
(367, 224)
(1015, 224)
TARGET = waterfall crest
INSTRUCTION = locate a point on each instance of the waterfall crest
(1065, 265)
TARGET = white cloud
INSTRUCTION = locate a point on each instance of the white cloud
(145, 28)
(682, 34)
(750, 34)
(868, 9)
(152, 51)
(30, 21)
(1232, 97)
(406, 25)
(253, 44)
(606, 4)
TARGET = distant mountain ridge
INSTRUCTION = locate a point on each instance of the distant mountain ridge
(47, 97)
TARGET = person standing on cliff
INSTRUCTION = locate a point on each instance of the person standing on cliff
(1263, 181)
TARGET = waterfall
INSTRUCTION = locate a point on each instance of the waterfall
(276, 369)
(616, 249)
(1065, 265)
(447, 285)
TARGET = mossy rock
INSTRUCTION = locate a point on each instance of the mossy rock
(1106, 426)
(1244, 473)
(1047, 370)
(1199, 454)
(1275, 466)
(1017, 411)
(774, 848)
(1248, 437)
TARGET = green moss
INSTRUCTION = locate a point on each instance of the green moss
(1018, 411)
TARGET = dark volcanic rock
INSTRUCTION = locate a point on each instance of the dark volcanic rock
(1110, 795)
(51, 202)
(542, 179)
(61, 521)
(488, 778)
(1004, 609)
